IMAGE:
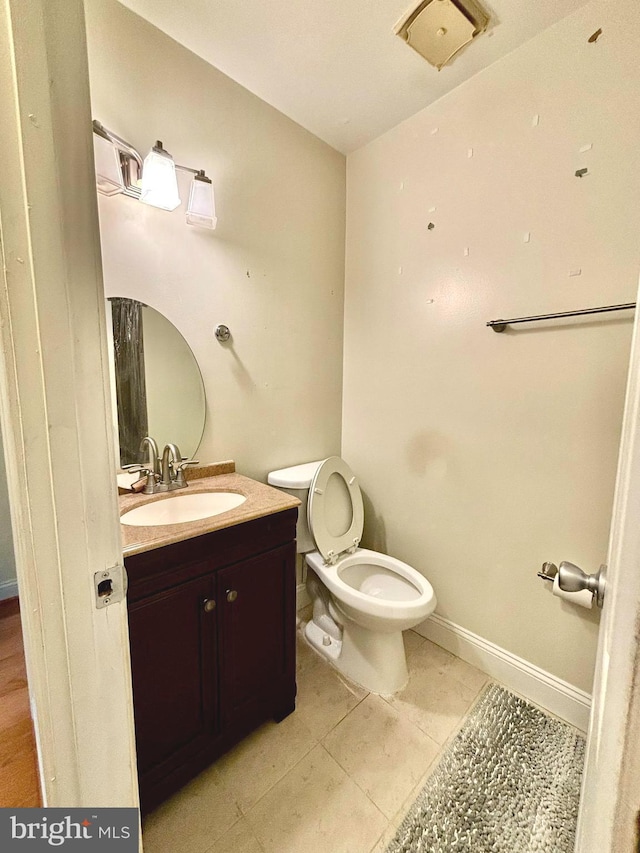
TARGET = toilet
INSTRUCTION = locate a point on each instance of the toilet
(362, 600)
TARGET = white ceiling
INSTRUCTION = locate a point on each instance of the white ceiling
(337, 68)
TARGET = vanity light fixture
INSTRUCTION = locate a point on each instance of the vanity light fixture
(159, 183)
(120, 169)
(201, 209)
(110, 149)
(108, 166)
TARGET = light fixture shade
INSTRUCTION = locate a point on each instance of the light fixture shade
(108, 170)
(201, 209)
(159, 184)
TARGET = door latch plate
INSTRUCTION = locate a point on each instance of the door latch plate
(110, 586)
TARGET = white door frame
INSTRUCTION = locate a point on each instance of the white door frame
(56, 412)
(611, 784)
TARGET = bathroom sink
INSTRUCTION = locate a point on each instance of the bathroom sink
(180, 509)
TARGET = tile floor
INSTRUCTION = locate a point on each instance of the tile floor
(336, 776)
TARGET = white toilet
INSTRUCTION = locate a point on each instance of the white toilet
(362, 600)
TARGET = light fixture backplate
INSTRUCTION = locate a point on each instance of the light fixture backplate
(439, 29)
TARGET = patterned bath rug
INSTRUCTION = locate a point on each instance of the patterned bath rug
(508, 783)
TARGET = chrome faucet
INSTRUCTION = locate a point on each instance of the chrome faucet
(171, 457)
(165, 476)
(150, 469)
(153, 459)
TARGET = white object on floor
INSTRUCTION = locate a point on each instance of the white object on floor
(362, 600)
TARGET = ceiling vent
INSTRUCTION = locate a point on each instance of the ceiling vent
(439, 29)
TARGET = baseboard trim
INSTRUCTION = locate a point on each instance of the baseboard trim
(8, 589)
(302, 596)
(540, 687)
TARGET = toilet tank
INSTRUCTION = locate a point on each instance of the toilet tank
(296, 481)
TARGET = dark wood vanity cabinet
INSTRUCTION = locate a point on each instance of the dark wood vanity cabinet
(212, 634)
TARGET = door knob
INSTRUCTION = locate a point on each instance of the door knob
(209, 605)
(571, 578)
(231, 595)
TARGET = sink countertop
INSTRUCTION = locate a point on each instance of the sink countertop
(261, 500)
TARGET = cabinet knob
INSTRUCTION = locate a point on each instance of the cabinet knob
(209, 605)
(231, 595)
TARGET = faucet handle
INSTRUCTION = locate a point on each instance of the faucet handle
(186, 461)
(150, 483)
(180, 466)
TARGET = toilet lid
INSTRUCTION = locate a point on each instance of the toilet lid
(325, 493)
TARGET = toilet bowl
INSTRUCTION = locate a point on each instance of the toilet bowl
(362, 600)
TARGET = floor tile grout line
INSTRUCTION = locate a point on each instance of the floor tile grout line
(243, 819)
(442, 747)
(441, 669)
(406, 719)
(374, 849)
(348, 775)
(277, 782)
(315, 740)
(396, 821)
(342, 719)
(389, 698)
(417, 787)
(319, 742)
(360, 788)
(220, 837)
(355, 782)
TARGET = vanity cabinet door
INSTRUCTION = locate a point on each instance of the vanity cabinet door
(257, 637)
(173, 659)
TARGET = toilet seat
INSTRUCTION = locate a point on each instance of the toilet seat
(362, 600)
(331, 546)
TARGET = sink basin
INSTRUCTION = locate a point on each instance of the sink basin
(180, 509)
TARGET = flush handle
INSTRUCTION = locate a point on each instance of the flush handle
(232, 594)
(209, 605)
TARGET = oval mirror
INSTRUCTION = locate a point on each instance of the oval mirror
(158, 384)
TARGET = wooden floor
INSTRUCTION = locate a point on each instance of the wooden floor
(18, 764)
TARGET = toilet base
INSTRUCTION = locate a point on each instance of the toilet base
(327, 645)
(373, 660)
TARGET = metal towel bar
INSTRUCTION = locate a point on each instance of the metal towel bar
(501, 325)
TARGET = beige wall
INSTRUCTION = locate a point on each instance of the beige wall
(273, 271)
(482, 455)
(8, 583)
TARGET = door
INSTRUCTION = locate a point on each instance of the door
(56, 411)
(611, 783)
(173, 658)
(255, 593)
